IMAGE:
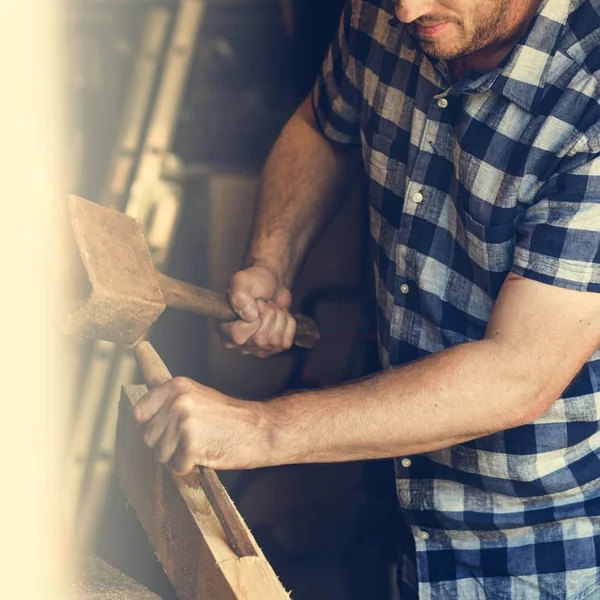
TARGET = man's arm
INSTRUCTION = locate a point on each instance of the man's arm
(538, 338)
(309, 171)
(305, 179)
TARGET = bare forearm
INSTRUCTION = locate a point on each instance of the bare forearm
(451, 397)
(304, 180)
(538, 339)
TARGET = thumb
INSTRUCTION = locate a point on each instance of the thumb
(243, 296)
(244, 305)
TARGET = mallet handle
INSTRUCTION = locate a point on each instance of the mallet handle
(192, 298)
(155, 373)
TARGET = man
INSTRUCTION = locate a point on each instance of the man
(478, 123)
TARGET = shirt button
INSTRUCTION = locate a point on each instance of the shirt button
(404, 288)
(406, 462)
(442, 103)
(423, 535)
(418, 198)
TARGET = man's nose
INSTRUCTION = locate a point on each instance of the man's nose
(408, 11)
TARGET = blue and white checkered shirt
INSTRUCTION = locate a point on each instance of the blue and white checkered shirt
(467, 181)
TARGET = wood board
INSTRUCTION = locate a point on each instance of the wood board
(182, 527)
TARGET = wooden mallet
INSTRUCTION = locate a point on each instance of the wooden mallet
(124, 294)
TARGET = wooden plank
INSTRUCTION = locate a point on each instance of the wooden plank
(182, 526)
(155, 373)
(97, 580)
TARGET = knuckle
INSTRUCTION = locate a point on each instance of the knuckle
(238, 278)
(183, 405)
(179, 385)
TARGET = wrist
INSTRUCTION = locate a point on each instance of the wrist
(271, 254)
(279, 440)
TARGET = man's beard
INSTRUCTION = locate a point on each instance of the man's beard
(486, 32)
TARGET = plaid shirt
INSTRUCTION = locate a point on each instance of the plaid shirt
(467, 181)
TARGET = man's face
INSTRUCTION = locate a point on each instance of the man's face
(449, 29)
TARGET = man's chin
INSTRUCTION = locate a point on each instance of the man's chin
(434, 50)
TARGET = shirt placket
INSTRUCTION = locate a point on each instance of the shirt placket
(416, 197)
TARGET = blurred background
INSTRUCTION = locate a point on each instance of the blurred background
(174, 106)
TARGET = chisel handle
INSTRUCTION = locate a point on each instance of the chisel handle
(185, 296)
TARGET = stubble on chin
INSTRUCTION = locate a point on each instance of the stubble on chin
(437, 51)
(483, 31)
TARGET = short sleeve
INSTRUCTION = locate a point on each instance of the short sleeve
(334, 96)
(559, 238)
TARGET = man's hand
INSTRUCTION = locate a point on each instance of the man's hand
(262, 302)
(189, 424)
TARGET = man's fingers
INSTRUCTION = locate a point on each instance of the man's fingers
(262, 338)
(242, 296)
(182, 462)
(252, 285)
(278, 329)
(244, 306)
(167, 445)
(151, 403)
(272, 333)
(223, 330)
(241, 331)
(290, 332)
(156, 427)
(258, 297)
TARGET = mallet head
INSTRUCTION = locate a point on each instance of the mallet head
(123, 297)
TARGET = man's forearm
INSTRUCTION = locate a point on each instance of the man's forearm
(303, 182)
(451, 397)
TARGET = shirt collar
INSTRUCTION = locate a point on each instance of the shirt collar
(522, 79)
